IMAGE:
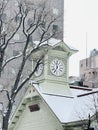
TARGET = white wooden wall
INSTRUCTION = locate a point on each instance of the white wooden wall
(38, 120)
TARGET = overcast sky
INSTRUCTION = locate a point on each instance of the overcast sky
(81, 17)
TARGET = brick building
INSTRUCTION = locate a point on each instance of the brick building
(89, 69)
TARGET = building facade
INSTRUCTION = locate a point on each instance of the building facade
(89, 70)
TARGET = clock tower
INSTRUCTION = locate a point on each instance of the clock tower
(52, 73)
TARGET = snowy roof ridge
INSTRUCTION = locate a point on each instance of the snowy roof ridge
(71, 47)
(53, 41)
(59, 95)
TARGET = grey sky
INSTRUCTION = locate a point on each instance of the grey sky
(81, 16)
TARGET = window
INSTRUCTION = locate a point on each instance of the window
(16, 37)
(55, 11)
(55, 28)
(15, 52)
(93, 72)
(17, 18)
(29, 22)
(87, 62)
(3, 16)
(34, 107)
(43, 24)
(81, 65)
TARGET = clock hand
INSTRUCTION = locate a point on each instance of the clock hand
(56, 68)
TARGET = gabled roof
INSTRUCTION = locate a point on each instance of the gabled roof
(21, 107)
(70, 50)
(55, 42)
(67, 109)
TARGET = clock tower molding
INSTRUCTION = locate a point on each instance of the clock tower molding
(52, 73)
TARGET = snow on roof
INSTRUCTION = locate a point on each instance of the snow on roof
(69, 109)
(52, 42)
(71, 47)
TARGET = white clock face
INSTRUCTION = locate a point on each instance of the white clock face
(39, 70)
(57, 67)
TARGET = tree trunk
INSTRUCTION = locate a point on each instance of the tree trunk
(5, 123)
(1, 59)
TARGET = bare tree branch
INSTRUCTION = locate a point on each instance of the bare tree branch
(33, 23)
(16, 28)
(24, 23)
(10, 59)
(27, 79)
(7, 93)
(39, 23)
